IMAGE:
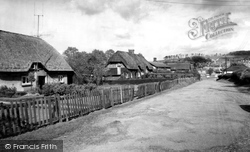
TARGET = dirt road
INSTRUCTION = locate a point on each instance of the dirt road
(205, 116)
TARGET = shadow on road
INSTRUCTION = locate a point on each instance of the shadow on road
(223, 90)
(241, 88)
(245, 107)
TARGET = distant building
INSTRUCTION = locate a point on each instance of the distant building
(127, 65)
(181, 67)
(159, 66)
(22, 54)
(234, 67)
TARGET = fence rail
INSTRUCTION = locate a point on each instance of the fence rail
(21, 115)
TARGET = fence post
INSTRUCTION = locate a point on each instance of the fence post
(59, 103)
(111, 97)
(34, 103)
(121, 94)
(30, 116)
(3, 119)
(50, 110)
(12, 116)
(145, 90)
(103, 99)
(18, 116)
(68, 108)
(133, 93)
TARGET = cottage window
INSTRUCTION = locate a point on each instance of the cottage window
(25, 81)
(60, 78)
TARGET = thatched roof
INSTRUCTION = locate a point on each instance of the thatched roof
(180, 66)
(159, 65)
(18, 52)
(131, 61)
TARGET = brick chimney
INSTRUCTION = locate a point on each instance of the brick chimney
(132, 51)
(155, 59)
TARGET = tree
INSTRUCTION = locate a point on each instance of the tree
(88, 66)
(98, 62)
(109, 53)
(78, 61)
(100, 56)
(31, 78)
(199, 61)
(187, 59)
(71, 51)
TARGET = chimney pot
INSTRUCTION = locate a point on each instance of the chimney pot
(155, 59)
(132, 51)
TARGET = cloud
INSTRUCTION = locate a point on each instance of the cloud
(127, 9)
(91, 7)
(123, 36)
(125, 45)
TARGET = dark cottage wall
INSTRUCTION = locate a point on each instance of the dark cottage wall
(14, 80)
(118, 70)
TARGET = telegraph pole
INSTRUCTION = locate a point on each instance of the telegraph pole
(226, 63)
(38, 19)
(38, 22)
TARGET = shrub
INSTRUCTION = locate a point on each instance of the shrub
(35, 90)
(61, 89)
(245, 76)
(236, 76)
(7, 91)
(47, 89)
(90, 86)
(210, 71)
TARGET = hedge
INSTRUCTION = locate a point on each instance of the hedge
(61, 89)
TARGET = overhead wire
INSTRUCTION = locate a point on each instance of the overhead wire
(189, 3)
(225, 1)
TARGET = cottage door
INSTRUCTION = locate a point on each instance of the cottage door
(41, 81)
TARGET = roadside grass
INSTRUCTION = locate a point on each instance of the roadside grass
(54, 131)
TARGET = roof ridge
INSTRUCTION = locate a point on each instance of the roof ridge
(20, 34)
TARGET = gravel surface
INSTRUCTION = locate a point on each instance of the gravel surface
(204, 116)
(209, 115)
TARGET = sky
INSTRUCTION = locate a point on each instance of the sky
(154, 28)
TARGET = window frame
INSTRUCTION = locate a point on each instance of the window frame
(60, 78)
(27, 82)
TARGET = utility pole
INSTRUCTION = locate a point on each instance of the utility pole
(226, 63)
(38, 22)
(38, 19)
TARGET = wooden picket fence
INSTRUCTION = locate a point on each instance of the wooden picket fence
(25, 114)
(152, 88)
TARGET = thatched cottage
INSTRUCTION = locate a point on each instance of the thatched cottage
(127, 65)
(21, 55)
(159, 66)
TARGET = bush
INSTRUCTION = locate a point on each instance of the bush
(47, 89)
(35, 90)
(236, 76)
(210, 71)
(245, 76)
(61, 89)
(7, 91)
